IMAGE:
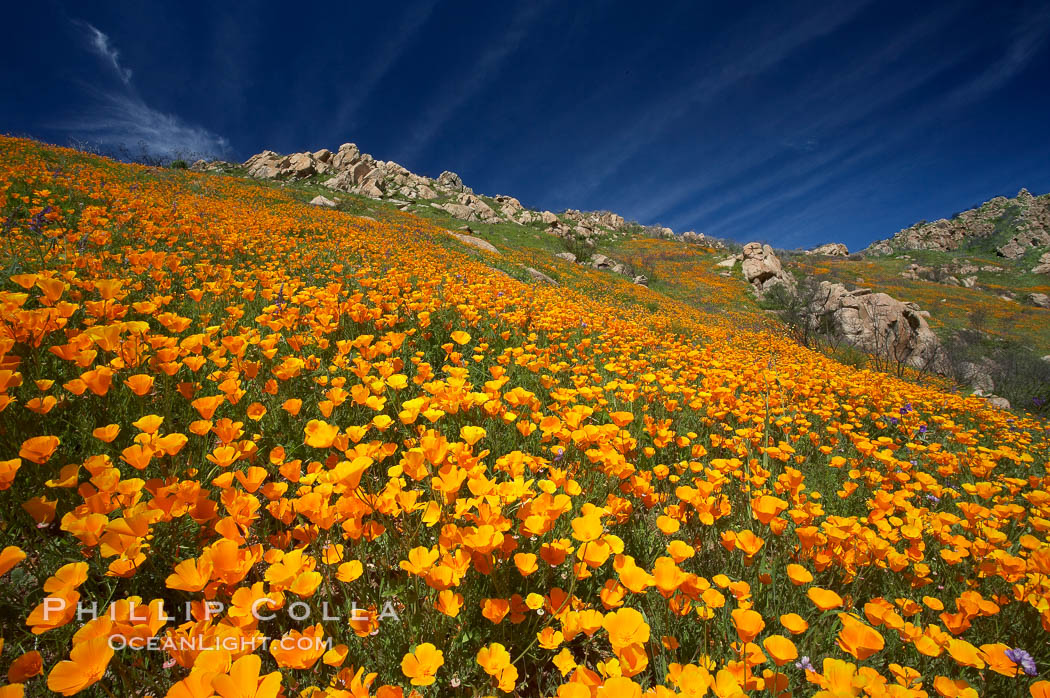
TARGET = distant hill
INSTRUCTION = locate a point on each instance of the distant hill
(1010, 228)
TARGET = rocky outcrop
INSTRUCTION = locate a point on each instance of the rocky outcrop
(271, 165)
(1024, 221)
(763, 270)
(696, 238)
(350, 170)
(469, 208)
(831, 249)
(877, 324)
(451, 181)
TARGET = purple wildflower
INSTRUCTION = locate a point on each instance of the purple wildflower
(804, 663)
(1019, 656)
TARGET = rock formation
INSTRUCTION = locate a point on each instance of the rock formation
(878, 324)
(831, 249)
(1014, 225)
(350, 170)
(763, 270)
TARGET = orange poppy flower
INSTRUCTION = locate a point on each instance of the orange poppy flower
(526, 563)
(781, 649)
(421, 665)
(39, 449)
(9, 558)
(794, 623)
(798, 574)
(824, 599)
(243, 680)
(86, 665)
(107, 433)
(25, 667)
(320, 434)
(748, 623)
(858, 639)
(626, 626)
(139, 383)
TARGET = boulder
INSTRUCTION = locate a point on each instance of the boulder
(300, 165)
(451, 182)
(729, 262)
(969, 281)
(763, 270)
(549, 218)
(538, 275)
(878, 324)
(347, 156)
(264, 165)
(1011, 250)
(641, 280)
(831, 249)
(476, 242)
(567, 256)
(322, 201)
(1040, 300)
(999, 403)
(481, 210)
(610, 220)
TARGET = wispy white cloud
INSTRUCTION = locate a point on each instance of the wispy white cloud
(820, 106)
(120, 120)
(486, 68)
(1031, 32)
(357, 91)
(100, 44)
(737, 60)
(124, 121)
(786, 193)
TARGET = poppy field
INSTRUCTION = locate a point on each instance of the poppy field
(251, 448)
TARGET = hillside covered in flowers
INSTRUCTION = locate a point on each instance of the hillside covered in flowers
(253, 448)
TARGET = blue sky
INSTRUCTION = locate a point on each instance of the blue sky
(793, 123)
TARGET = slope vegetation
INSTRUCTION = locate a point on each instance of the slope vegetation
(213, 396)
